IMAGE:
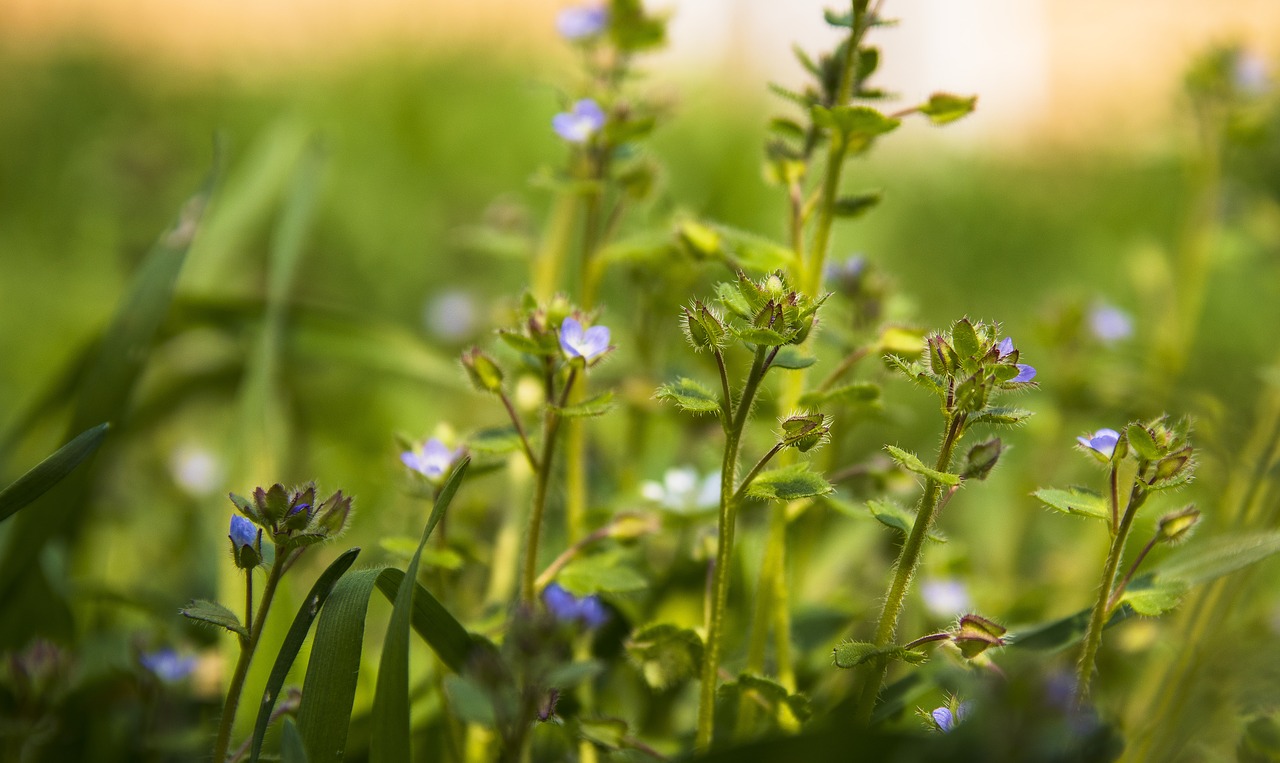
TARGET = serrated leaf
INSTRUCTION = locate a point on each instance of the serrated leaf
(851, 654)
(915, 372)
(1001, 416)
(793, 358)
(690, 396)
(912, 463)
(856, 205)
(596, 406)
(791, 95)
(608, 572)
(944, 107)
(666, 654)
(1156, 598)
(759, 336)
(790, 483)
(1215, 557)
(1076, 500)
(898, 518)
(50, 471)
(213, 613)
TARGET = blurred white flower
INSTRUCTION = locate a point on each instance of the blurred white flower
(1250, 73)
(945, 597)
(681, 491)
(1109, 323)
(196, 470)
(451, 316)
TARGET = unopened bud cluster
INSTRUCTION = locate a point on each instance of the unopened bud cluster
(290, 518)
(968, 365)
(765, 313)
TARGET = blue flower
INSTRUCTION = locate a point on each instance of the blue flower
(432, 460)
(1110, 324)
(582, 22)
(579, 343)
(578, 125)
(243, 533)
(946, 720)
(168, 665)
(1102, 441)
(564, 606)
(1005, 347)
(1025, 373)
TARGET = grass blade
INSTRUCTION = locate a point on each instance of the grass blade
(291, 749)
(50, 471)
(389, 738)
(307, 614)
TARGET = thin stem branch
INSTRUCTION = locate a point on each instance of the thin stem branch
(927, 640)
(845, 366)
(568, 554)
(741, 493)
(1133, 568)
(727, 405)
(551, 424)
(515, 419)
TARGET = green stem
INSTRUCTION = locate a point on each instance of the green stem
(908, 559)
(549, 261)
(551, 425)
(1103, 608)
(724, 548)
(515, 419)
(222, 742)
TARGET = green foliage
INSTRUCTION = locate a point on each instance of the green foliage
(608, 572)
(1076, 500)
(213, 613)
(789, 483)
(666, 654)
(912, 463)
(689, 395)
(944, 107)
(851, 654)
(50, 471)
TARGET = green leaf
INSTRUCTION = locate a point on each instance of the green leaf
(1063, 633)
(690, 396)
(213, 613)
(666, 654)
(760, 336)
(1076, 500)
(912, 463)
(964, 338)
(944, 107)
(292, 644)
(571, 674)
(789, 483)
(389, 720)
(856, 393)
(291, 748)
(856, 205)
(1143, 442)
(596, 406)
(769, 695)
(610, 733)
(494, 441)
(1217, 557)
(608, 572)
(754, 253)
(915, 372)
(733, 301)
(851, 654)
(1154, 598)
(792, 358)
(859, 123)
(898, 518)
(1001, 416)
(469, 700)
(50, 471)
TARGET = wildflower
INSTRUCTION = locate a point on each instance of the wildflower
(582, 22)
(432, 460)
(564, 606)
(945, 597)
(168, 665)
(1110, 324)
(587, 344)
(451, 316)
(1025, 373)
(947, 720)
(1005, 347)
(243, 533)
(578, 125)
(1102, 441)
(681, 491)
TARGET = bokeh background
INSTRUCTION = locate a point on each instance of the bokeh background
(1077, 183)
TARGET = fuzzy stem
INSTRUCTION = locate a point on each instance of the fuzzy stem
(908, 559)
(222, 742)
(551, 425)
(515, 419)
(724, 549)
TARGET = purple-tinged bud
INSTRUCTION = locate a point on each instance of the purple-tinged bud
(974, 635)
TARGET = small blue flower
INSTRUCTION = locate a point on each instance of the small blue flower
(582, 22)
(1025, 373)
(243, 533)
(432, 460)
(1110, 324)
(1005, 347)
(946, 720)
(579, 343)
(564, 606)
(577, 126)
(168, 665)
(946, 597)
(1102, 441)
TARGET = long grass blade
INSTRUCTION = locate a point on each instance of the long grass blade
(50, 471)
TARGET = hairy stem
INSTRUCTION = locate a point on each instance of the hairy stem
(542, 480)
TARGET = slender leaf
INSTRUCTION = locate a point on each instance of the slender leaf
(50, 471)
(292, 644)
(291, 748)
(911, 462)
(1075, 500)
(1218, 556)
(389, 735)
(213, 613)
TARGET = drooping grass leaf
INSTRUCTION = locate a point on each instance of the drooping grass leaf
(50, 471)
(1218, 556)
(307, 614)
(389, 733)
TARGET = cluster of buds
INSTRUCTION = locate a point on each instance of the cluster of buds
(968, 364)
(1162, 451)
(805, 431)
(764, 313)
(292, 519)
(554, 330)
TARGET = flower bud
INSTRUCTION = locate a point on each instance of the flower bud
(975, 635)
(334, 514)
(703, 328)
(982, 458)
(246, 542)
(1176, 527)
(942, 359)
(1173, 465)
(805, 431)
(483, 371)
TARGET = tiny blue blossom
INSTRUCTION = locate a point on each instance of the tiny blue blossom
(1025, 373)
(946, 720)
(432, 460)
(243, 533)
(168, 665)
(583, 343)
(564, 606)
(1005, 347)
(1103, 441)
(577, 126)
(851, 268)
(582, 22)
(945, 598)
(1110, 324)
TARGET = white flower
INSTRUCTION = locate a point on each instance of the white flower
(682, 492)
